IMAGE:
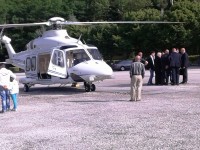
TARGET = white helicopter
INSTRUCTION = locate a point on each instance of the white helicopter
(57, 58)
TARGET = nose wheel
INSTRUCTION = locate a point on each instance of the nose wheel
(26, 88)
(89, 87)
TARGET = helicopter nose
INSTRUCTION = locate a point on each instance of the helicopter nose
(104, 69)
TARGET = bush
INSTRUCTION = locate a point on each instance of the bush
(14, 69)
(194, 59)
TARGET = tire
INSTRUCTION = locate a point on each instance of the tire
(87, 88)
(122, 68)
(93, 87)
(26, 88)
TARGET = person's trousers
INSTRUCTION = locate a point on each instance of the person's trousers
(7, 99)
(3, 100)
(185, 75)
(175, 75)
(165, 76)
(136, 87)
(150, 82)
(14, 99)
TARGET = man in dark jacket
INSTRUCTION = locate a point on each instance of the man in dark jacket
(184, 65)
(165, 67)
(158, 69)
(151, 67)
(175, 64)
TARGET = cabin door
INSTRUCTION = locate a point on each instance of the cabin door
(57, 65)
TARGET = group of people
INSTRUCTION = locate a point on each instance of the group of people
(9, 88)
(166, 66)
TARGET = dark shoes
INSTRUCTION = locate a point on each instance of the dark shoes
(134, 100)
(183, 83)
(3, 111)
(14, 109)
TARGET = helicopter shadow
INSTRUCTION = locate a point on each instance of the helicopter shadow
(52, 91)
(97, 101)
(119, 85)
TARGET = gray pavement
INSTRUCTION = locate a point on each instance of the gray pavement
(65, 118)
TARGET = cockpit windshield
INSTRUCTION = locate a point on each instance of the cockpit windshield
(95, 54)
(75, 57)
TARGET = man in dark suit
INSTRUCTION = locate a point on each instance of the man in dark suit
(142, 59)
(165, 67)
(175, 64)
(151, 66)
(184, 65)
(158, 69)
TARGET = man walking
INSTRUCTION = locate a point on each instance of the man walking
(5, 75)
(137, 72)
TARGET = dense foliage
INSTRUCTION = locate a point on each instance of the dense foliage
(112, 40)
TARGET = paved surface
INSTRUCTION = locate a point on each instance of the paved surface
(64, 118)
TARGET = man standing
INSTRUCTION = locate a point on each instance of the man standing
(142, 59)
(184, 65)
(151, 67)
(137, 72)
(158, 69)
(165, 67)
(5, 75)
(175, 64)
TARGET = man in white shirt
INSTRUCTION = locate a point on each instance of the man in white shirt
(5, 75)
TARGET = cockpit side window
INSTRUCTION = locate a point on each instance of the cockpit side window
(95, 54)
(75, 57)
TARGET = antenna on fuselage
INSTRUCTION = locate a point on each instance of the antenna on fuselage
(84, 42)
(1, 37)
(79, 38)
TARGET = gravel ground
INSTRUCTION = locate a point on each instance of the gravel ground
(65, 118)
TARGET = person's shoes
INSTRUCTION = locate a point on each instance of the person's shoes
(3, 111)
(149, 84)
(131, 100)
(138, 99)
(183, 82)
(14, 109)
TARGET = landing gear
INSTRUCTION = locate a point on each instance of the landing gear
(26, 88)
(89, 87)
(93, 87)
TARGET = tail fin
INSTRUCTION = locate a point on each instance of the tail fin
(6, 40)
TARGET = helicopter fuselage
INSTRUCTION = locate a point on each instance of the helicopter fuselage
(55, 57)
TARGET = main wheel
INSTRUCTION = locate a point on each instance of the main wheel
(26, 88)
(93, 87)
(87, 88)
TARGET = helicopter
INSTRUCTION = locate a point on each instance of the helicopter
(56, 58)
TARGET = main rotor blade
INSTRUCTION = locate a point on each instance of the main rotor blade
(23, 25)
(119, 22)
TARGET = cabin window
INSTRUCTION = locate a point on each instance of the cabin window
(28, 64)
(33, 64)
(58, 58)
